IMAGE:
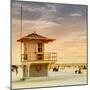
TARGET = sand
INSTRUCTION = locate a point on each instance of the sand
(61, 78)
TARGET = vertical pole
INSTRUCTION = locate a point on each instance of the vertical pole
(21, 44)
(21, 31)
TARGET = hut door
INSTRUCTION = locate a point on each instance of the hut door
(40, 47)
(40, 50)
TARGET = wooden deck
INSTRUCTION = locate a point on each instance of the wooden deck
(39, 57)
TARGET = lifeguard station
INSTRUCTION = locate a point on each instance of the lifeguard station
(35, 60)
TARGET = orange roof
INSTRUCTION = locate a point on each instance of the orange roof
(35, 36)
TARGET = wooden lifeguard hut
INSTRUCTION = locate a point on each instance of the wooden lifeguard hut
(35, 60)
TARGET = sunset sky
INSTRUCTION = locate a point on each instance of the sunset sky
(65, 23)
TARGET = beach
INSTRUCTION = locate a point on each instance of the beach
(63, 77)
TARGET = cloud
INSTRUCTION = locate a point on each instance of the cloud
(57, 13)
(40, 24)
(51, 8)
(75, 15)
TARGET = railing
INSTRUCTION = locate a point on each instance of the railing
(34, 56)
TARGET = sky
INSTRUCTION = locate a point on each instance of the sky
(63, 22)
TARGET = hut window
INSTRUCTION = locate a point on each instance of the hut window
(39, 47)
(39, 44)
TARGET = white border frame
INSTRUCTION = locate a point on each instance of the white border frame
(5, 43)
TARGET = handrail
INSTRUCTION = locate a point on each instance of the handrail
(35, 56)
